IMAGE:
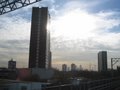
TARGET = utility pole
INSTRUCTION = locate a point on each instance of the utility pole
(113, 62)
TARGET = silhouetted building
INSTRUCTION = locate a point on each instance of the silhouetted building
(48, 51)
(64, 67)
(73, 67)
(118, 68)
(39, 54)
(81, 68)
(49, 60)
(102, 61)
(12, 64)
(6, 73)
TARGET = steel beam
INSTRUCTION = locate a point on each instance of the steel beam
(11, 5)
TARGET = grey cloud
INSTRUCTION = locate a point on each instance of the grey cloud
(16, 49)
(14, 44)
(10, 49)
(80, 50)
(62, 48)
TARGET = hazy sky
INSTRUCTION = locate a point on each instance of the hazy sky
(79, 30)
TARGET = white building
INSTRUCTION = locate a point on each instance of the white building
(18, 85)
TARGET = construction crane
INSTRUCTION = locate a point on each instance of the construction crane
(11, 5)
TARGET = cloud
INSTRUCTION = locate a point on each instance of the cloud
(14, 28)
(15, 33)
(94, 29)
(14, 40)
(76, 46)
(78, 35)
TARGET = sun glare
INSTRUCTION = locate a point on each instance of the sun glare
(74, 25)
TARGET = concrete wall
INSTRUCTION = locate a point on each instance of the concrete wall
(43, 73)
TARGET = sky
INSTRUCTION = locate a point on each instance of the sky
(79, 30)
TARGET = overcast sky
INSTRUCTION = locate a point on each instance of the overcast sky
(79, 30)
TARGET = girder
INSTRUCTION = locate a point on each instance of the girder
(11, 5)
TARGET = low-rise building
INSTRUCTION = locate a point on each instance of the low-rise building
(20, 85)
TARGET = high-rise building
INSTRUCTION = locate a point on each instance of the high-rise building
(12, 64)
(80, 68)
(102, 61)
(73, 67)
(39, 53)
(64, 67)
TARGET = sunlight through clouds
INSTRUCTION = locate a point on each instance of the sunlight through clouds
(80, 25)
(77, 32)
(74, 25)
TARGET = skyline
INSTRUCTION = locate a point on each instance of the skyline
(79, 30)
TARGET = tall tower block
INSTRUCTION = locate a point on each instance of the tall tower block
(102, 61)
(39, 46)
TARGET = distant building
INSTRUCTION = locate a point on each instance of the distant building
(12, 64)
(21, 85)
(81, 68)
(73, 67)
(6, 73)
(118, 68)
(102, 61)
(39, 54)
(29, 73)
(64, 67)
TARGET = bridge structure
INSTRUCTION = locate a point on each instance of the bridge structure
(11, 5)
(104, 84)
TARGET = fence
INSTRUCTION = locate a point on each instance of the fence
(60, 87)
(105, 84)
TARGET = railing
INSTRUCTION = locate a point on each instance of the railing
(105, 84)
(60, 87)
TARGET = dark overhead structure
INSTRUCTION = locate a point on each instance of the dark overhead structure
(11, 5)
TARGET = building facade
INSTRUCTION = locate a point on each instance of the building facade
(73, 67)
(80, 68)
(102, 61)
(12, 64)
(64, 67)
(39, 53)
(21, 85)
